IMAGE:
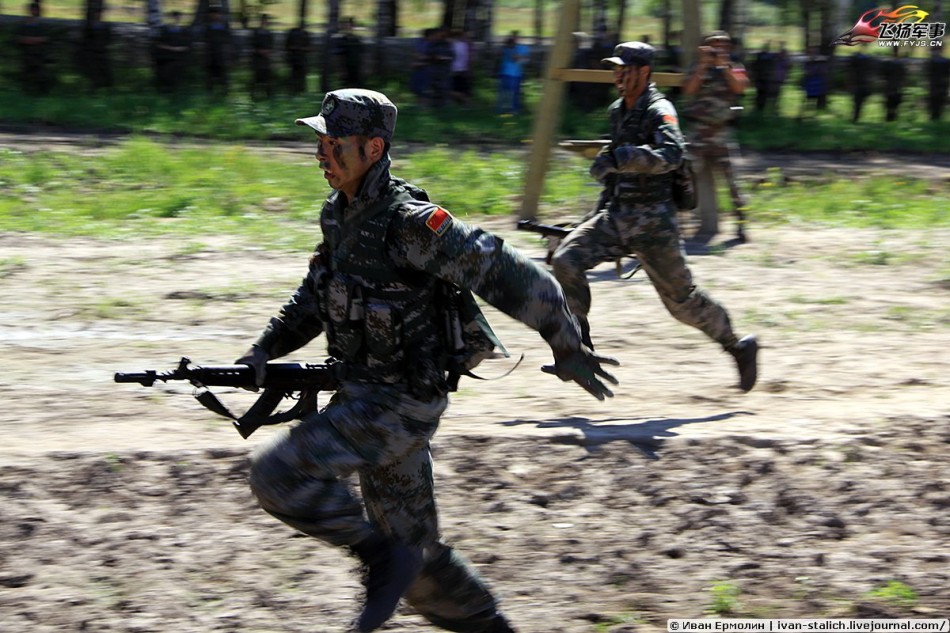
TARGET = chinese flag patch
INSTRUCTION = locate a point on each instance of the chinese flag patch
(670, 119)
(439, 221)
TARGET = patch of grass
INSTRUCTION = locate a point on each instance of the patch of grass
(725, 598)
(11, 265)
(825, 301)
(112, 308)
(143, 188)
(896, 593)
(617, 620)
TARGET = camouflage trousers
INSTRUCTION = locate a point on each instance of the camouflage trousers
(382, 434)
(717, 156)
(650, 233)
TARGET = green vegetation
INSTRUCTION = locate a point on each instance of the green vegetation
(725, 598)
(145, 187)
(896, 593)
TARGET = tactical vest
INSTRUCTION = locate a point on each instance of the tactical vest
(632, 187)
(388, 324)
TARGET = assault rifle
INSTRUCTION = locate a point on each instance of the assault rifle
(559, 231)
(282, 380)
(554, 233)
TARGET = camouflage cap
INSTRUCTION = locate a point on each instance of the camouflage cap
(630, 53)
(354, 112)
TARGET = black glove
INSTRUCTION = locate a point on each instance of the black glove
(255, 358)
(603, 165)
(583, 366)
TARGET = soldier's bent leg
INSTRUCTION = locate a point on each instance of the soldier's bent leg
(665, 264)
(593, 242)
(724, 163)
(297, 478)
(400, 500)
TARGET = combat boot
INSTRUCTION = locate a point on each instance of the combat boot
(746, 354)
(390, 568)
(500, 625)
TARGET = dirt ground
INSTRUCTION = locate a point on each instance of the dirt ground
(126, 508)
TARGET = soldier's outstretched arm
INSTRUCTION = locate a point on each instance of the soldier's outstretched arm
(428, 238)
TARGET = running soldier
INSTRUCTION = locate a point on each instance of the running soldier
(637, 214)
(377, 288)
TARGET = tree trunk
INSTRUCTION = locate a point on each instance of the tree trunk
(827, 27)
(333, 25)
(538, 20)
(153, 15)
(200, 17)
(667, 25)
(385, 27)
(806, 23)
(727, 16)
(621, 17)
(692, 31)
(448, 14)
(599, 20)
(302, 10)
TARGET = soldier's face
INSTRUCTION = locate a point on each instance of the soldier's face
(345, 160)
(630, 80)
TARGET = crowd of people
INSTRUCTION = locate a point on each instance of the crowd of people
(444, 63)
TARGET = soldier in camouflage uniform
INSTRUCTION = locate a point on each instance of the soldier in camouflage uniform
(373, 288)
(637, 214)
(713, 84)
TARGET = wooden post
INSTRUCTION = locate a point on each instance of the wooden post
(549, 110)
(708, 209)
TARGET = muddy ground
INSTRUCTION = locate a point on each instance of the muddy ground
(124, 508)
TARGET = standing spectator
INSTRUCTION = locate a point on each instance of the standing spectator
(171, 51)
(94, 56)
(420, 78)
(763, 69)
(779, 75)
(861, 77)
(511, 75)
(297, 45)
(938, 81)
(262, 51)
(217, 39)
(33, 40)
(814, 81)
(894, 74)
(461, 67)
(713, 85)
(348, 48)
(441, 56)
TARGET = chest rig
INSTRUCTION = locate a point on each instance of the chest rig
(379, 319)
(629, 129)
